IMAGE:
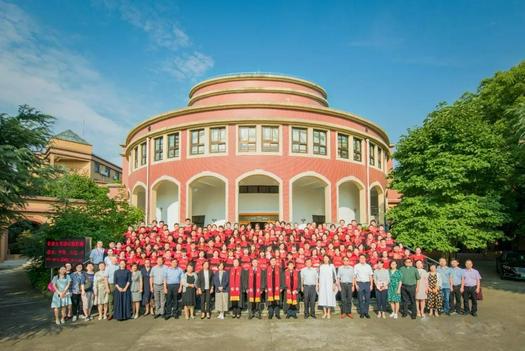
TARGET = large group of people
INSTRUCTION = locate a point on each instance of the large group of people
(229, 269)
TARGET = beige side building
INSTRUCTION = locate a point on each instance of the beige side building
(74, 153)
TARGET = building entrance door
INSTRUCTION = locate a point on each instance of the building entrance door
(261, 218)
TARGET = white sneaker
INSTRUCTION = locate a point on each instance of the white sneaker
(82, 316)
(392, 315)
(100, 317)
(57, 321)
(395, 316)
(74, 319)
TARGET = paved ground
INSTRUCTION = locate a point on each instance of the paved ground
(26, 324)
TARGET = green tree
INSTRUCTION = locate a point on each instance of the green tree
(452, 174)
(502, 104)
(74, 186)
(99, 217)
(23, 138)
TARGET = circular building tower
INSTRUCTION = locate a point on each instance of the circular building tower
(256, 148)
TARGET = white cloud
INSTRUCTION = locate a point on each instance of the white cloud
(188, 66)
(164, 33)
(35, 69)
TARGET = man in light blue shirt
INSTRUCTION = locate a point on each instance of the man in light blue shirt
(97, 254)
(455, 293)
(346, 279)
(110, 277)
(156, 281)
(172, 277)
(445, 273)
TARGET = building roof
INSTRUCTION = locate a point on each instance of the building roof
(69, 135)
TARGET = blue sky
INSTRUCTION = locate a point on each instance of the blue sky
(101, 66)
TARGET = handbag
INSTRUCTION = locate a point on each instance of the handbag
(51, 287)
(479, 296)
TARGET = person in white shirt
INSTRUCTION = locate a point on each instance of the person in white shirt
(364, 283)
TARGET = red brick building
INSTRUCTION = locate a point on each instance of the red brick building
(255, 148)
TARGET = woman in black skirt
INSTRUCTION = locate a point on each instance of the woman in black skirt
(188, 283)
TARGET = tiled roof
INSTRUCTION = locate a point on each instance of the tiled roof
(69, 135)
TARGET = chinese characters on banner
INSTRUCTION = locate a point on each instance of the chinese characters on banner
(59, 252)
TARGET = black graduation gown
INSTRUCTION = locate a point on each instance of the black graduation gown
(283, 294)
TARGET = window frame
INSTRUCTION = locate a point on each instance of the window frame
(175, 148)
(201, 142)
(339, 146)
(221, 141)
(298, 142)
(248, 141)
(357, 141)
(158, 148)
(318, 144)
(274, 143)
(143, 153)
(372, 154)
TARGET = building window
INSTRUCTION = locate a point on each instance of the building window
(372, 152)
(136, 157)
(173, 145)
(319, 142)
(299, 140)
(97, 167)
(258, 189)
(247, 139)
(218, 140)
(116, 176)
(104, 170)
(379, 158)
(342, 145)
(270, 139)
(143, 154)
(358, 149)
(158, 148)
(197, 142)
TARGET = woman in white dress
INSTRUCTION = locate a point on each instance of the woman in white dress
(421, 294)
(327, 286)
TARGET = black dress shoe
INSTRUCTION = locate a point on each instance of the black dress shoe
(403, 315)
(259, 316)
(361, 316)
(294, 317)
(313, 316)
(157, 316)
(250, 316)
(413, 317)
(270, 317)
(167, 317)
(474, 314)
(278, 317)
(306, 316)
(367, 316)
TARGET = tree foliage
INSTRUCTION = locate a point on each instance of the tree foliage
(100, 217)
(452, 174)
(502, 104)
(22, 171)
